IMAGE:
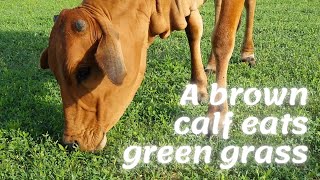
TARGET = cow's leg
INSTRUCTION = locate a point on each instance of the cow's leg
(247, 52)
(217, 5)
(194, 32)
(211, 66)
(222, 46)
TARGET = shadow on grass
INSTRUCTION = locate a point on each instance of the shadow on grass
(29, 96)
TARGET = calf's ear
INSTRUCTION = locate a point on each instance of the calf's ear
(44, 59)
(109, 56)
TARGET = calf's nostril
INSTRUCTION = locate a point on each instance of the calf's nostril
(75, 144)
(72, 146)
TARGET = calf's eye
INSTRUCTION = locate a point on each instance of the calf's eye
(82, 74)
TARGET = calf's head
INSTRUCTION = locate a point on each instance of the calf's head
(85, 56)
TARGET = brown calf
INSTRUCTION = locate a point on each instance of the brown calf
(97, 52)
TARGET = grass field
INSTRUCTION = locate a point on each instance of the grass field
(286, 35)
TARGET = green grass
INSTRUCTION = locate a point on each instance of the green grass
(286, 35)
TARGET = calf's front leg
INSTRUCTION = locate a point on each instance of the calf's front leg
(222, 47)
(247, 50)
(194, 32)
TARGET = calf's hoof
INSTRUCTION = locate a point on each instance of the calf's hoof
(203, 97)
(250, 60)
(209, 70)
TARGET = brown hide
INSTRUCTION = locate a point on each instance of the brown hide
(100, 64)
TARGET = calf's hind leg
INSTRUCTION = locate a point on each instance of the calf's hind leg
(211, 66)
(247, 52)
(194, 32)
